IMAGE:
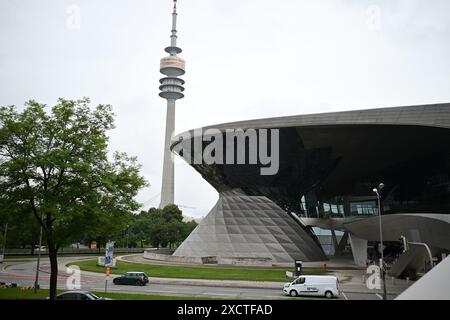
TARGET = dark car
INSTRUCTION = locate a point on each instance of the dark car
(79, 295)
(132, 278)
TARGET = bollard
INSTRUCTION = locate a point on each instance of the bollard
(325, 266)
(407, 280)
(393, 279)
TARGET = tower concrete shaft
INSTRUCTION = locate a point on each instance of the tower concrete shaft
(172, 89)
(167, 188)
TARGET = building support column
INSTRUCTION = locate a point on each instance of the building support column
(359, 250)
(341, 247)
(335, 242)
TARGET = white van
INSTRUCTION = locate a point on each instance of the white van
(325, 286)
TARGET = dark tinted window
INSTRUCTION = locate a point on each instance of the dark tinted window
(68, 296)
(83, 297)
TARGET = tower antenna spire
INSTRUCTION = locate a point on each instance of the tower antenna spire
(173, 50)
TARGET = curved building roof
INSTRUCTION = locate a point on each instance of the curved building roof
(434, 115)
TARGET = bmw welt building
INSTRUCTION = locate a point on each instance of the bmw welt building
(327, 166)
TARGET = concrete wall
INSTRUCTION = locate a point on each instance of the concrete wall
(261, 262)
(169, 258)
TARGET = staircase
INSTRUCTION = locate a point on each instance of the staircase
(410, 263)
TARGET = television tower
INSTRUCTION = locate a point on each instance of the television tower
(172, 89)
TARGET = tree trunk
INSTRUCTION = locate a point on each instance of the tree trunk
(53, 255)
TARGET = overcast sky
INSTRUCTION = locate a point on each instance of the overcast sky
(245, 59)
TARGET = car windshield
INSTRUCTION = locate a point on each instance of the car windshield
(135, 274)
(299, 281)
(93, 296)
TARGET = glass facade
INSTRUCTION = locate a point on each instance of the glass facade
(330, 171)
(368, 208)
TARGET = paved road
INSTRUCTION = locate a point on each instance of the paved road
(23, 273)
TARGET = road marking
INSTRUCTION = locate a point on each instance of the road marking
(343, 293)
(41, 277)
(129, 290)
(167, 292)
(219, 294)
(379, 296)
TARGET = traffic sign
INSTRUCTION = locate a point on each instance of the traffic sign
(109, 254)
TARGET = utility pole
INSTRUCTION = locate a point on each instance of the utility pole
(36, 280)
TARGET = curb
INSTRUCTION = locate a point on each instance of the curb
(219, 283)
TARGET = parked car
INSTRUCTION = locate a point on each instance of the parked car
(79, 295)
(132, 278)
(327, 286)
(43, 248)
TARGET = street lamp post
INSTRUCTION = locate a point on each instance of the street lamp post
(128, 236)
(4, 240)
(378, 192)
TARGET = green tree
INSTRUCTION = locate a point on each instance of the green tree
(172, 224)
(23, 229)
(157, 235)
(140, 229)
(171, 212)
(174, 231)
(188, 227)
(160, 227)
(55, 162)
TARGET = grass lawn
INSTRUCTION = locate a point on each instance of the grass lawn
(18, 294)
(193, 272)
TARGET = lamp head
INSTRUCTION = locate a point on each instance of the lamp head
(375, 190)
(381, 186)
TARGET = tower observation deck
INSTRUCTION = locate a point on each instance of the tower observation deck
(171, 88)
